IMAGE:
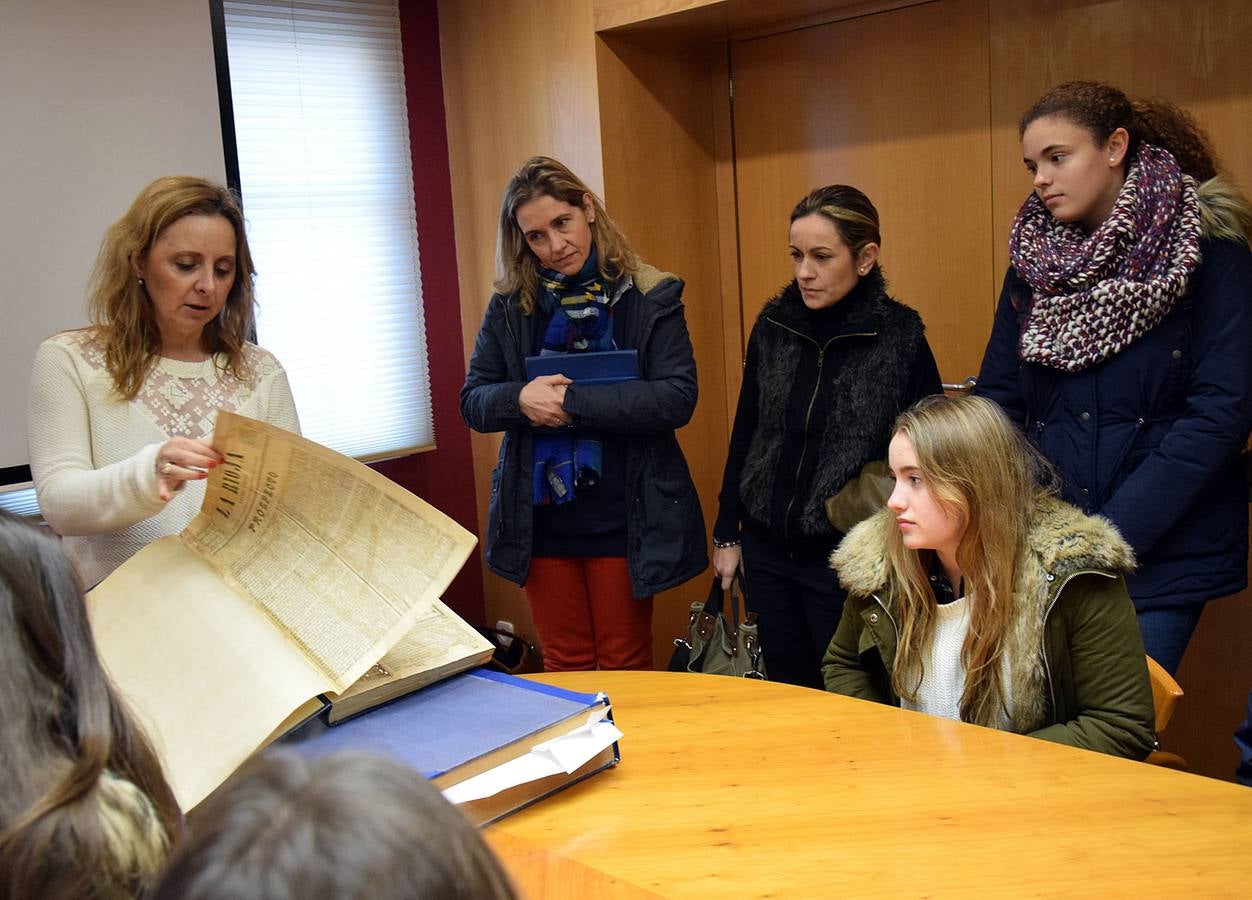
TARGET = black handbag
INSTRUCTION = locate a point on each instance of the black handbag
(715, 646)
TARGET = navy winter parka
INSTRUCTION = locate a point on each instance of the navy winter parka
(665, 538)
(1150, 438)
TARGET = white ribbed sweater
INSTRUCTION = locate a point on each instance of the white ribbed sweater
(93, 457)
(943, 681)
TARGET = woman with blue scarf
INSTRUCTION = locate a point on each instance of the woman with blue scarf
(592, 506)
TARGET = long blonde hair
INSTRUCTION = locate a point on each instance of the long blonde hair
(516, 267)
(977, 466)
(120, 310)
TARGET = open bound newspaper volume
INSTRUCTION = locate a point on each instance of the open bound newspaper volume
(303, 570)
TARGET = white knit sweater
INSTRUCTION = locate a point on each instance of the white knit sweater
(93, 456)
(943, 681)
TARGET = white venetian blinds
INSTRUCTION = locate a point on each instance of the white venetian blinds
(327, 181)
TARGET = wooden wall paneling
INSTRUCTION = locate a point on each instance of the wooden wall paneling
(1216, 676)
(611, 14)
(733, 18)
(734, 330)
(519, 79)
(896, 104)
(1191, 52)
(657, 127)
(1194, 53)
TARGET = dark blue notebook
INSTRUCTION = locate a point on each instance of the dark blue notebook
(595, 367)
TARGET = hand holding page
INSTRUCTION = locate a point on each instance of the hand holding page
(301, 571)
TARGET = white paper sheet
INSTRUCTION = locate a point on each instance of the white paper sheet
(563, 754)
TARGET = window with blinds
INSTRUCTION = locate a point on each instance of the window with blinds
(321, 127)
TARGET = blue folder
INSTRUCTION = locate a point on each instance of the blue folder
(461, 726)
(594, 367)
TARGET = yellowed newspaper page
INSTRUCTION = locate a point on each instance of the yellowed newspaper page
(206, 672)
(338, 556)
(440, 638)
(440, 644)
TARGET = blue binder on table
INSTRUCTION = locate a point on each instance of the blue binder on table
(466, 725)
(594, 367)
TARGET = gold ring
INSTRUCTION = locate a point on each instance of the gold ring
(167, 468)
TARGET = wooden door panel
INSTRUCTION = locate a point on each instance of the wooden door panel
(895, 104)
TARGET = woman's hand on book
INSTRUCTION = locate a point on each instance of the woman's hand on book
(541, 401)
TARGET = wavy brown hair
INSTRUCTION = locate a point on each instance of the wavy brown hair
(85, 810)
(978, 467)
(517, 269)
(120, 309)
(1101, 109)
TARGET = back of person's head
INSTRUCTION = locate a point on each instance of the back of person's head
(516, 266)
(849, 210)
(977, 465)
(344, 826)
(84, 808)
(119, 305)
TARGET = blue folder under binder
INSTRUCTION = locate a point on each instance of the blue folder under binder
(595, 367)
(448, 730)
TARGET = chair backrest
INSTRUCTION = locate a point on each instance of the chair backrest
(1165, 693)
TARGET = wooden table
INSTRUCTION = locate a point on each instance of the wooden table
(733, 788)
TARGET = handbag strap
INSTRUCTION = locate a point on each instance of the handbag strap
(713, 605)
(717, 597)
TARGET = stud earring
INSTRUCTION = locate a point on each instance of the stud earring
(141, 284)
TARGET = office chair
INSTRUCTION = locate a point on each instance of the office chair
(1165, 696)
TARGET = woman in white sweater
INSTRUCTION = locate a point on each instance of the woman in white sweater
(121, 413)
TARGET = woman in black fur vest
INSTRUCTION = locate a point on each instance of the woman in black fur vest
(832, 360)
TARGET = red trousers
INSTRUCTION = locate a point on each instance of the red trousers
(586, 616)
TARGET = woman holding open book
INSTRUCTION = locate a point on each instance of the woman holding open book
(84, 809)
(121, 413)
(592, 506)
(978, 595)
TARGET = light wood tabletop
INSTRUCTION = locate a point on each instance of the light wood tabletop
(736, 788)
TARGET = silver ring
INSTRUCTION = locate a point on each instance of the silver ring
(167, 467)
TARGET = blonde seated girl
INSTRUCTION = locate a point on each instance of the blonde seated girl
(978, 595)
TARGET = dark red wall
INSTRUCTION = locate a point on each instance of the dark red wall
(443, 477)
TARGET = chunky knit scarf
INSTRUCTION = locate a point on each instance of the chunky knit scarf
(581, 310)
(1094, 294)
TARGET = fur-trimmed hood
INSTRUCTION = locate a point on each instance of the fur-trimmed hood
(648, 277)
(1062, 542)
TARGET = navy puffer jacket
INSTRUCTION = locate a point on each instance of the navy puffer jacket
(1151, 437)
(665, 538)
